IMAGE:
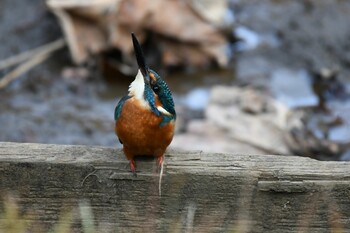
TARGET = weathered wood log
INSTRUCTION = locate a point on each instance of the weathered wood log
(200, 192)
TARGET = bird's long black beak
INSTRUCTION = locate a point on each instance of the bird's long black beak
(140, 58)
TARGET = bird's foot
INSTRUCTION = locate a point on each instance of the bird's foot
(160, 161)
(133, 167)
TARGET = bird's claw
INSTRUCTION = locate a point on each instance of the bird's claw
(133, 167)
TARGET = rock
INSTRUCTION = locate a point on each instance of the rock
(184, 116)
(257, 130)
(310, 134)
(253, 102)
(254, 118)
(243, 98)
(225, 95)
(238, 119)
(204, 136)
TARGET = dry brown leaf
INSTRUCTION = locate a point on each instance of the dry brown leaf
(186, 36)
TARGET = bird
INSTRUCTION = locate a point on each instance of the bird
(145, 118)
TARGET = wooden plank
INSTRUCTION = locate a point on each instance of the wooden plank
(201, 192)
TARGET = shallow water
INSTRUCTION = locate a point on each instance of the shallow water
(81, 112)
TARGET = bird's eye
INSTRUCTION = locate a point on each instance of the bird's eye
(155, 88)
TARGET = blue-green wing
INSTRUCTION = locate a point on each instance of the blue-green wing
(119, 107)
(166, 119)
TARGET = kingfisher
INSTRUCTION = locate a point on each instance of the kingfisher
(145, 118)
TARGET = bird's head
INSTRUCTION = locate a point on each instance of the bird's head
(149, 88)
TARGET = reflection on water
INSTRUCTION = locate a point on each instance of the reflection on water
(293, 88)
(197, 99)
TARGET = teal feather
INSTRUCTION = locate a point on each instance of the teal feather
(164, 95)
(149, 96)
(166, 119)
(119, 107)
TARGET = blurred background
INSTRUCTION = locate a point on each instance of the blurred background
(252, 76)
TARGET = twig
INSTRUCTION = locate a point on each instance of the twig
(40, 55)
(90, 174)
(48, 48)
(22, 69)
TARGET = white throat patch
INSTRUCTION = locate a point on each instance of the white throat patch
(137, 89)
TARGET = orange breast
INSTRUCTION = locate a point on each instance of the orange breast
(139, 130)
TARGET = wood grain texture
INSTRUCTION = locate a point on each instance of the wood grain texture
(200, 192)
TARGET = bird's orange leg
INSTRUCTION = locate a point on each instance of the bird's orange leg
(130, 157)
(160, 161)
(133, 167)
